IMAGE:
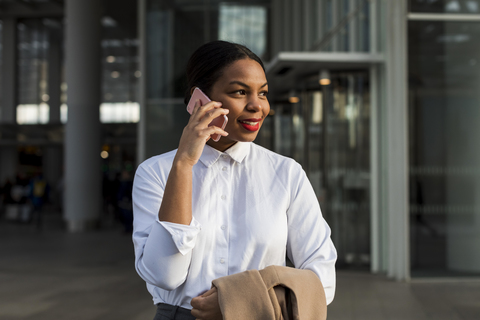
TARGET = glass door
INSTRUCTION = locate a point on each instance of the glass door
(346, 166)
(328, 133)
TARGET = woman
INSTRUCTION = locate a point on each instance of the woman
(211, 209)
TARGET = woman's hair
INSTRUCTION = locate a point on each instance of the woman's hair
(207, 63)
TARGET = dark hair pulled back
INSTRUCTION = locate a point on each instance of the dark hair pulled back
(207, 63)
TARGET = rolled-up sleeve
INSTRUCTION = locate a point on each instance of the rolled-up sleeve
(163, 250)
(309, 245)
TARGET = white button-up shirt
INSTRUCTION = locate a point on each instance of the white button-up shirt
(251, 208)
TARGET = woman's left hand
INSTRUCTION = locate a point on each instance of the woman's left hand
(206, 307)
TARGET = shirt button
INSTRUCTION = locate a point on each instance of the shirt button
(224, 197)
(224, 156)
(224, 169)
(222, 261)
(224, 227)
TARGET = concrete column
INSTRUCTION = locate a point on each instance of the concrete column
(54, 74)
(82, 132)
(9, 71)
(396, 141)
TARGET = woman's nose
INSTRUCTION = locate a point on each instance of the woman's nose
(254, 105)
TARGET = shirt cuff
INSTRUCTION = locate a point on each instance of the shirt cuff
(184, 236)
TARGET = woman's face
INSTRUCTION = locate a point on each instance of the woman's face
(242, 89)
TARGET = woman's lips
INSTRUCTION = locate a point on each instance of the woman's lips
(250, 124)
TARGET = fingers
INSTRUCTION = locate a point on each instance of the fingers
(198, 307)
(207, 112)
(197, 132)
(206, 306)
(203, 132)
(207, 106)
(209, 131)
(196, 302)
(209, 292)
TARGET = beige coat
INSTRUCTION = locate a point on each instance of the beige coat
(274, 293)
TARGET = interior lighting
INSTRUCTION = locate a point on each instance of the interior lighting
(45, 97)
(104, 154)
(108, 22)
(293, 97)
(110, 59)
(138, 74)
(324, 77)
(115, 74)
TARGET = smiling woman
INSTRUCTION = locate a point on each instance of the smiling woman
(213, 209)
(242, 89)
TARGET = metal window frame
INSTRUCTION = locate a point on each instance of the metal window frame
(443, 17)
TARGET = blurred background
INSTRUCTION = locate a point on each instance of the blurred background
(378, 100)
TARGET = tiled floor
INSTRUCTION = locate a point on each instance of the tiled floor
(54, 275)
(366, 296)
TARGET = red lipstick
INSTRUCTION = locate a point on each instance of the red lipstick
(251, 124)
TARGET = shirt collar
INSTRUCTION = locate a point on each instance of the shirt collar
(237, 152)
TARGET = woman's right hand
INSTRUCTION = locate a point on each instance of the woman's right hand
(197, 132)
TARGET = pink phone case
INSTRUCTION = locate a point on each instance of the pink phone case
(220, 122)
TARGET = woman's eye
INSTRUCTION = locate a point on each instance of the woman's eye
(264, 93)
(239, 92)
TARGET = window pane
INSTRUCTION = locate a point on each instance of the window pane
(120, 71)
(33, 68)
(245, 25)
(445, 6)
(347, 166)
(444, 78)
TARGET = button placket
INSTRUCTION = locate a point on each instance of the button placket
(223, 167)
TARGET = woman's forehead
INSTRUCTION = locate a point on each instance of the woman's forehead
(245, 71)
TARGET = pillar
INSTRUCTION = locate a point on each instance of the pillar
(9, 71)
(82, 131)
(395, 142)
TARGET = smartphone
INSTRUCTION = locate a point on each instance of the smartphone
(220, 121)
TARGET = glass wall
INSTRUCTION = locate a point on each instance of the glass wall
(328, 133)
(37, 41)
(321, 25)
(174, 29)
(445, 6)
(120, 71)
(244, 24)
(444, 98)
(347, 166)
(32, 72)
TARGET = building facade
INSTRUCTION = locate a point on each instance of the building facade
(377, 99)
